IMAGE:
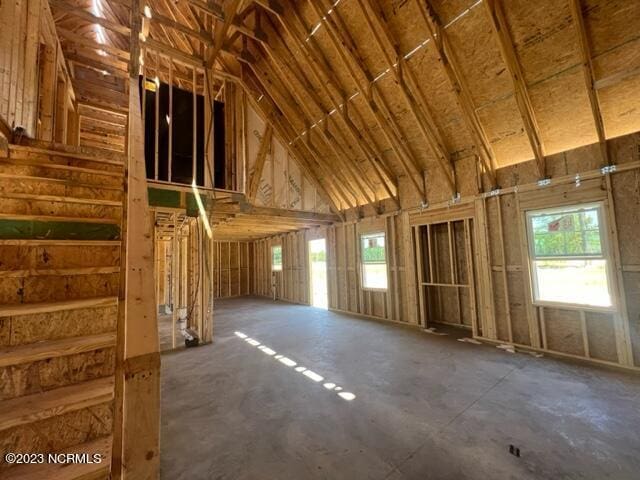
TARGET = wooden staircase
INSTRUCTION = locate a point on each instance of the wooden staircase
(60, 246)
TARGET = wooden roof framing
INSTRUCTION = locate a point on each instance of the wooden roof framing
(376, 96)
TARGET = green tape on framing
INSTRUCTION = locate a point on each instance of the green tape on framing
(161, 197)
(192, 205)
(52, 230)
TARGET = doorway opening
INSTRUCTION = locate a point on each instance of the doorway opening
(446, 274)
(318, 270)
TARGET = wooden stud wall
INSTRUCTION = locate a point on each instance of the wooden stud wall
(35, 88)
(491, 228)
(231, 269)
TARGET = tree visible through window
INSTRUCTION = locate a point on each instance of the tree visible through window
(276, 258)
(374, 261)
(568, 255)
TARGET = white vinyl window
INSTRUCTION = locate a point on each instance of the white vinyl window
(276, 258)
(373, 257)
(568, 253)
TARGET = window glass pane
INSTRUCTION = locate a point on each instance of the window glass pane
(276, 258)
(581, 282)
(566, 233)
(373, 248)
(374, 275)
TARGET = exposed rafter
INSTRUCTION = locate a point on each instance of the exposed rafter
(89, 17)
(438, 37)
(343, 44)
(263, 150)
(315, 63)
(356, 179)
(412, 95)
(220, 32)
(510, 57)
(589, 77)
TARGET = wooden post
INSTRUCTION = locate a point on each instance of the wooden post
(136, 446)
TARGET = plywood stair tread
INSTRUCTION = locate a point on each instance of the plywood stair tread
(62, 150)
(59, 199)
(39, 406)
(70, 471)
(46, 307)
(55, 218)
(58, 166)
(59, 181)
(54, 348)
(58, 271)
(68, 243)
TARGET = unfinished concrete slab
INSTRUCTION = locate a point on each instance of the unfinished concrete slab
(425, 406)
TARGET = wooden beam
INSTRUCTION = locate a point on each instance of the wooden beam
(168, 22)
(510, 57)
(296, 71)
(96, 64)
(208, 6)
(265, 148)
(220, 33)
(280, 124)
(179, 55)
(63, 6)
(439, 38)
(273, 6)
(317, 65)
(88, 43)
(289, 107)
(353, 179)
(413, 97)
(357, 70)
(589, 77)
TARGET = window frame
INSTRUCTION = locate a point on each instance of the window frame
(363, 263)
(604, 255)
(273, 247)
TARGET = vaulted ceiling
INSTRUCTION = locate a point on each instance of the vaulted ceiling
(372, 94)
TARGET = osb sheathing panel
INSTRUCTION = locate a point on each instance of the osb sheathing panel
(59, 174)
(25, 329)
(442, 102)
(403, 16)
(623, 58)
(502, 322)
(601, 336)
(625, 149)
(466, 173)
(563, 331)
(41, 207)
(450, 10)
(545, 39)
(517, 174)
(620, 106)
(626, 195)
(503, 126)
(517, 305)
(66, 160)
(324, 43)
(510, 230)
(632, 290)
(608, 23)
(557, 99)
(40, 376)
(477, 55)
(579, 160)
(59, 432)
(59, 288)
(354, 19)
(75, 257)
(17, 185)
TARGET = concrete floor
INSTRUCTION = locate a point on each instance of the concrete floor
(426, 407)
